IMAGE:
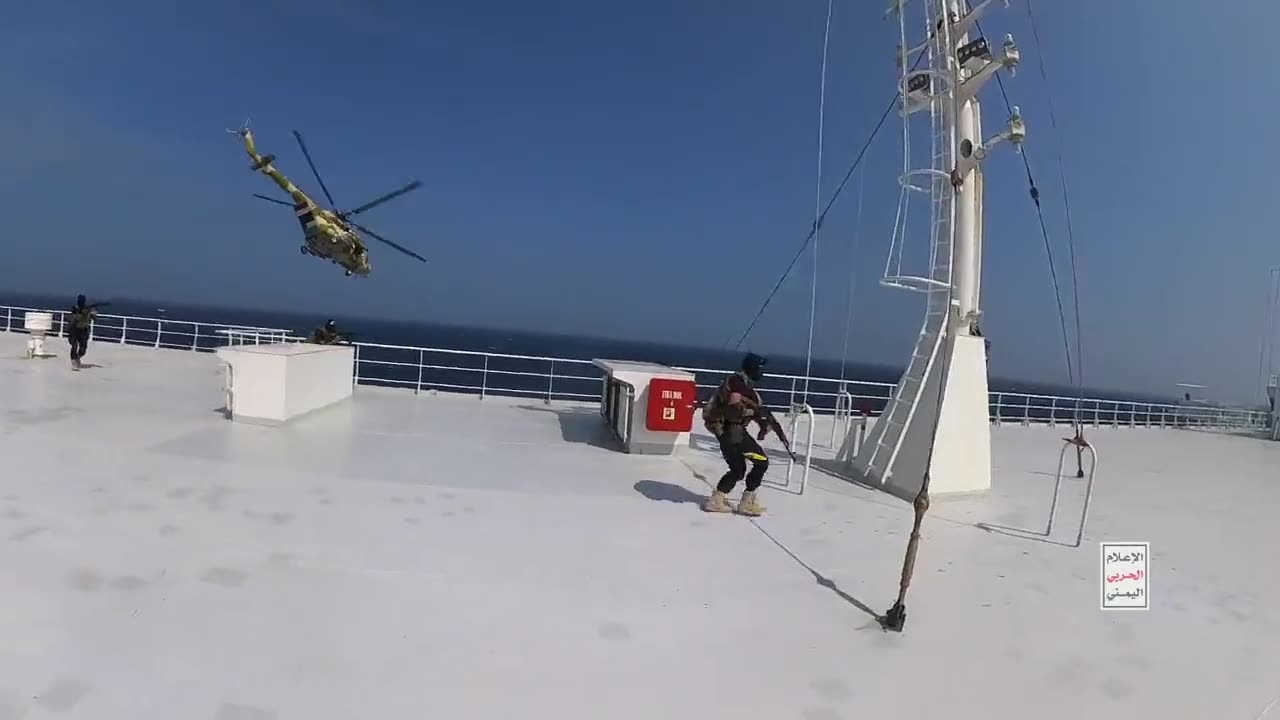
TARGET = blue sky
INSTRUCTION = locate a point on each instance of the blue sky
(576, 154)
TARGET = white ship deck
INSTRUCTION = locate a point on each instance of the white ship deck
(440, 556)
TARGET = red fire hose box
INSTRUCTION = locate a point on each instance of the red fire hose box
(670, 407)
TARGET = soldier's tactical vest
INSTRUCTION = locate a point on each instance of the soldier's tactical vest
(81, 318)
(717, 412)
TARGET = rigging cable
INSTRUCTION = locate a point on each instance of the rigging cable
(896, 616)
(853, 275)
(823, 215)
(1266, 353)
(1262, 341)
(1075, 375)
(1066, 206)
(817, 201)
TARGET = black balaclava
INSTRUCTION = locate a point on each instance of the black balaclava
(329, 325)
(80, 301)
(753, 366)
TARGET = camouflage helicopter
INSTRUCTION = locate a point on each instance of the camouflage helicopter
(327, 233)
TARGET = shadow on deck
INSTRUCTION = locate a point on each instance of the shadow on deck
(668, 492)
(580, 425)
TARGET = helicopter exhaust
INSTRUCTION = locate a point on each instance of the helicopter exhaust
(263, 162)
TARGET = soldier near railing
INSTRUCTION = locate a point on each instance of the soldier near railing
(329, 335)
(81, 324)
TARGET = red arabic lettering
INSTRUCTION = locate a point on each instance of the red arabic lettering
(1136, 575)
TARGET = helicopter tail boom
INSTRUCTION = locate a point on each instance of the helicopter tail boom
(247, 136)
(263, 163)
(258, 161)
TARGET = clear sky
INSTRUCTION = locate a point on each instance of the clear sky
(644, 169)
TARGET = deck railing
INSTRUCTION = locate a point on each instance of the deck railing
(153, 332)
(426, 369)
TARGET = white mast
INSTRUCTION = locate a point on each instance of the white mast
(940, 77)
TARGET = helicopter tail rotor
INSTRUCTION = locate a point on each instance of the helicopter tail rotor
(242, 130)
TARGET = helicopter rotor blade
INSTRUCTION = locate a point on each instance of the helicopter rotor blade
(298, 136)
(374, 203)
(378, 237)
(274, 200)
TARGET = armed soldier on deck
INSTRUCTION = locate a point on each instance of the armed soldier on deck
(727, 414)
(329, 335)
(80, 326)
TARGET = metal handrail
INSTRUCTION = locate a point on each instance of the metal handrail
(412, 367)
(475, 353)
(797, 413)
(843, 413)
(1088, 488)
(160, 332)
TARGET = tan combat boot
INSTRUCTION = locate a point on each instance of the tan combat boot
(749, 505)
(716, 503)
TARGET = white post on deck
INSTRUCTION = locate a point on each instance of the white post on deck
(798, 412)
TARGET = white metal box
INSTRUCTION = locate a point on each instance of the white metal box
(274, 384)
(625, 400)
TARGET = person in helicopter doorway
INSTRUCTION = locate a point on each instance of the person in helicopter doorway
(81, 322)
(727, 414)
(327, 335)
